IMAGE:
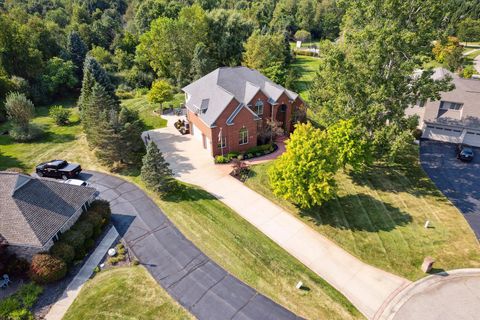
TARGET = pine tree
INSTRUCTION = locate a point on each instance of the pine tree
(77, 51)
(130, 129)
(93, 74)
(107, 146)
(98, 102)
(156, 172)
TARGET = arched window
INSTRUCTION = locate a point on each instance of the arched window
(259, 107)
(243, 136)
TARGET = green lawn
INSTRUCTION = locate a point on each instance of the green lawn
(125, 293)
(228, 239)
(379, 216)
(251, 256)
(307, 67)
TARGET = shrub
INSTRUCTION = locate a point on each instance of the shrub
(60, 115)
(249, 155)
(260, 150)
(94, 218)
(46, 268)
(33, 132)
(17, 267)
(221, 159)
(8, 305)
(232, 155)
(417, 134)
(63, 251)
(85, 228)
(80, 253)
(89, 243)
(102, 207)
(468, 72)
(74, 238)
(29, 294)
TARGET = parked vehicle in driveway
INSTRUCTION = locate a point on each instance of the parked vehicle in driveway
(464, 153)
(59, 169)
(77, 182)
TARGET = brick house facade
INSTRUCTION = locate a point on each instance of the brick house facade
(235, 104)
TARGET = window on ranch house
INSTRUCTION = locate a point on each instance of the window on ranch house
(259, 108)
(243, 136)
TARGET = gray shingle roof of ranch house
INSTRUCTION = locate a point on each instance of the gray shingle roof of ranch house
(212, 93)
(33, 210)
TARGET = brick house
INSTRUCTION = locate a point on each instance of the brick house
(34, 212)
(228, 108)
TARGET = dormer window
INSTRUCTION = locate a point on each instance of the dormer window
(447, 105)
(259, 107)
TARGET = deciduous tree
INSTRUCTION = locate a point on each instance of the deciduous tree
(304, 174)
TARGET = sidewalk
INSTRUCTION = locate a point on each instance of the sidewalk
(58, 310)
(365, 286)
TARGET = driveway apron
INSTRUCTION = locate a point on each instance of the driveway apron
(196, 282)
(459, 181)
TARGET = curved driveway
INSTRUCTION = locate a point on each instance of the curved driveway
(195, 281)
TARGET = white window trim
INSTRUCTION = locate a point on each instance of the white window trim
(243, 131)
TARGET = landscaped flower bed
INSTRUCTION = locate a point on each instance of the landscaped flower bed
(251, 153)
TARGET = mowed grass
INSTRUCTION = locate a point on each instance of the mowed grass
(251, 256)
(306, 67)
(217, 230)
(379, 216)
(151, 119)
(124, 293)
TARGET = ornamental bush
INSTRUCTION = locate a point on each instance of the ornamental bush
(85, 228)
(46, 268)
(102, 207)
(74, 238)
(60, 115)
(63, 251)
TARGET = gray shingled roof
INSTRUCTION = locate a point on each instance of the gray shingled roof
(215, 91)
(33, 210)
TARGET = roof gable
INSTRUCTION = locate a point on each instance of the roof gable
(223, 85)
(33, 213)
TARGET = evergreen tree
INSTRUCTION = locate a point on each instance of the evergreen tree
(77, 51)
(130, 129)
(156, 172)
(107, 144)
(98, 101)
(93, 74)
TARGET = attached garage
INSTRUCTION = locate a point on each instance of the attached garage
(472, 138)
(442, 133)
(200, 136)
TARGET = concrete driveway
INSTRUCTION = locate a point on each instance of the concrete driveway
(365, 286)
(459, 181)
(196, 282)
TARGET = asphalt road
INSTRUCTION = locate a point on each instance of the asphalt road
(459, 181)
(196, 282)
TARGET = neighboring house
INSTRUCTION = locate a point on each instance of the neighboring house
(34, 212)
(228, 108)
(455, 117)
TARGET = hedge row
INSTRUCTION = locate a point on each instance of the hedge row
(73, 244)
(257, 151)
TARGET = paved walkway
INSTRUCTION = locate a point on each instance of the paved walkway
(452, 295)
(365, 286)
(189, 276)
(59, 309)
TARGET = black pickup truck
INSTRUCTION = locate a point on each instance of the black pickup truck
(59, 169)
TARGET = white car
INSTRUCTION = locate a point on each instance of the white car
(77, 182)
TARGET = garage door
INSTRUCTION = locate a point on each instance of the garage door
(472, 138)
(204, 140)
(442, 134)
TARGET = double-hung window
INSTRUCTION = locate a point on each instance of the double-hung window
(243, 136)
(259, 107)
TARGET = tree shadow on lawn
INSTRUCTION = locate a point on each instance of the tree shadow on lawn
(10, 162)
(186, 192)
(359, 212)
